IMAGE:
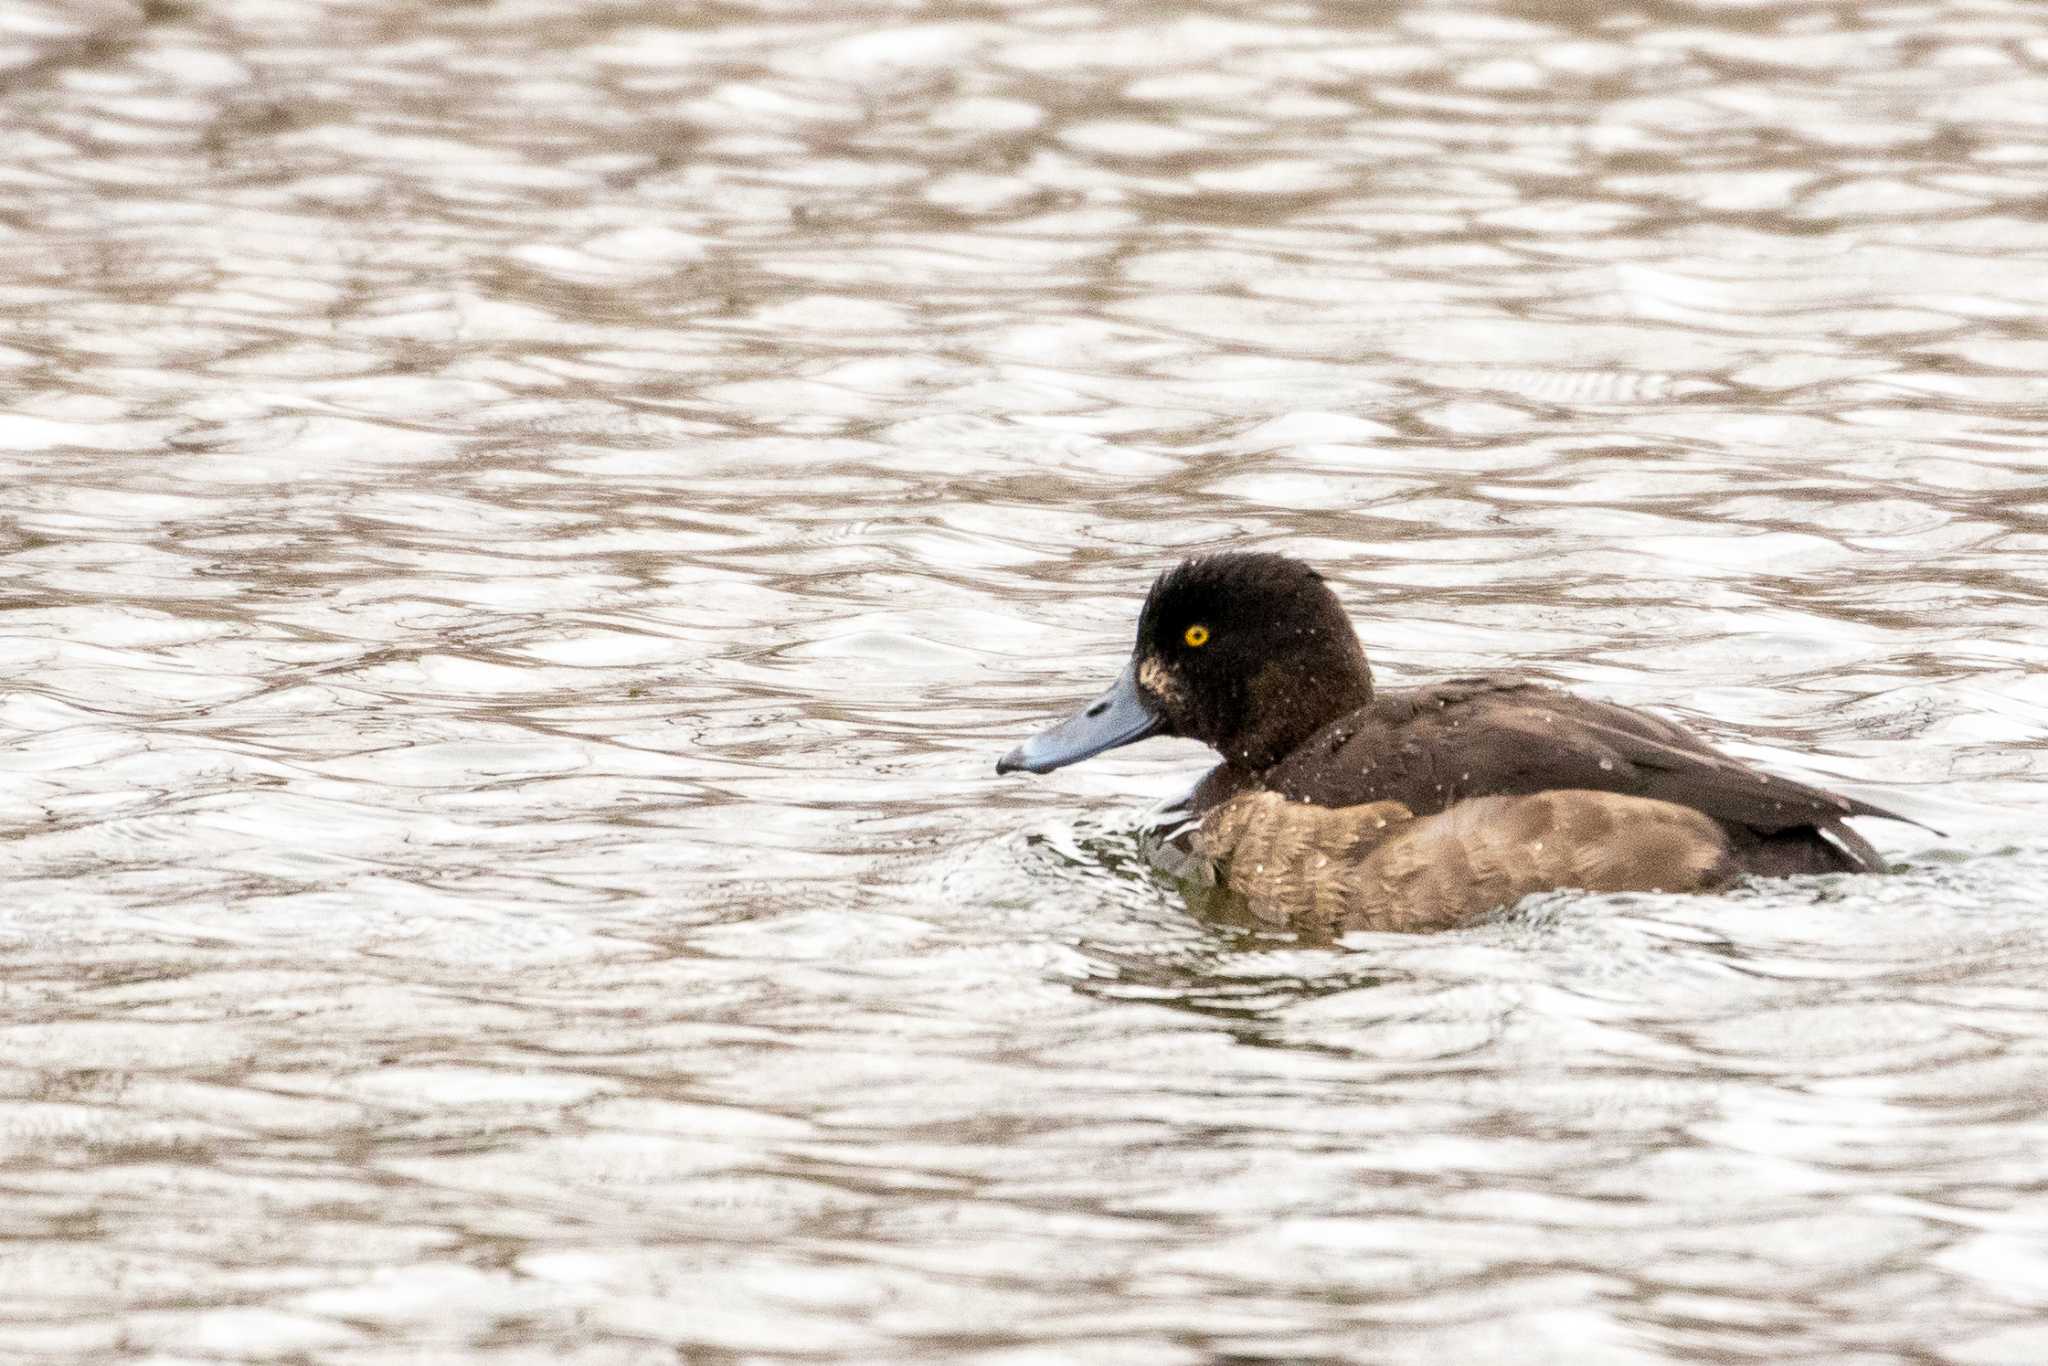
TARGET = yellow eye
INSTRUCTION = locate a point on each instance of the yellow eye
(1197, 636)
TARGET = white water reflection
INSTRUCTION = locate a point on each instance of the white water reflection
(527, 529)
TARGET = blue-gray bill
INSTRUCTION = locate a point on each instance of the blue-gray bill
(1120, 716)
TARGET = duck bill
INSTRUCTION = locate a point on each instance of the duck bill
(1121, 716)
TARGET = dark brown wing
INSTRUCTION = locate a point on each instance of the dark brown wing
(1429, 747)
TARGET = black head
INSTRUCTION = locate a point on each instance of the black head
(1250, 654)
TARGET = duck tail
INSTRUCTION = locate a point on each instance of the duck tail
(1860, 852)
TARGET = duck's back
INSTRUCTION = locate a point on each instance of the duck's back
(1430, 748)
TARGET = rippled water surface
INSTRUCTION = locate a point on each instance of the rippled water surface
(527, 525)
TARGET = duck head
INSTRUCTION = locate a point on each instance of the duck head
(1250, 654)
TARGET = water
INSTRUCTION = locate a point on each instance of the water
(527, 527)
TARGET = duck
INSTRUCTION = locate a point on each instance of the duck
(1337, 805)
